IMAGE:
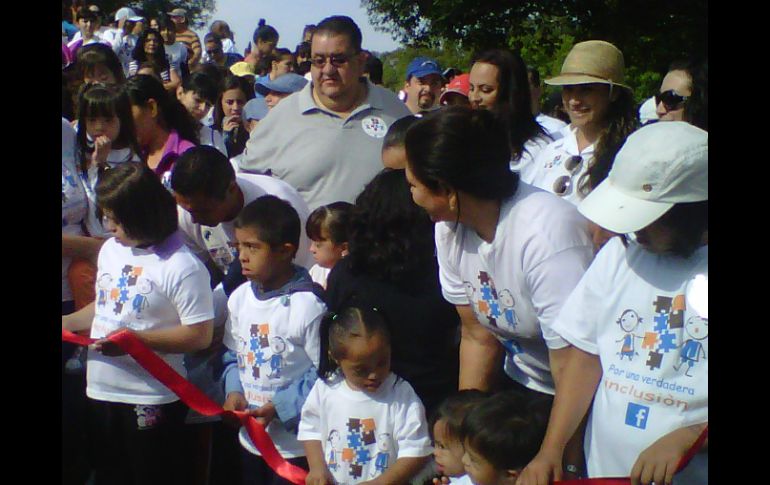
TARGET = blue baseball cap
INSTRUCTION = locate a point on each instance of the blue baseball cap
(422, 66)
(285, 83)
(255, 109)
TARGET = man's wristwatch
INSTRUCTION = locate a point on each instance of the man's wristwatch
(574, 470)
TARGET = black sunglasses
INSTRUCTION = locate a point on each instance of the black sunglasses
(337, 60)
(670, 99)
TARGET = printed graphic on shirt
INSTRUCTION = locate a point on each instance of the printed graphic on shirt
(491, 307)
(220, 249)
(262, 354)
(364, 448)
(128, 293)
(664, 344)
(374, 126)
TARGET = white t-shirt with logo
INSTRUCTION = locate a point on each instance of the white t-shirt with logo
(74, 206)
(634, 309)
(215, 241)
(363, 434)
(548, 166)
(276, 341)
(142, 290)
(517, 284)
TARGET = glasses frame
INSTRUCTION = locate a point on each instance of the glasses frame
(336, 60)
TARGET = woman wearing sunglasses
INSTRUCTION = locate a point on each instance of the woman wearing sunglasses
(602, 114)
(683, 93)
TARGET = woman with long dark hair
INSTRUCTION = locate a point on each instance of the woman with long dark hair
(684, 93)
(228, 113)
(602, 114)
(149, 48)
(391, 266)
(499, 83)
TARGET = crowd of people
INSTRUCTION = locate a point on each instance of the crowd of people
(450, 284)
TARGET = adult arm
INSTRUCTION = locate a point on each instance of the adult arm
(573, 451)
(575, 389)
(83, 247)
(658, 462)
(195, 46)
(480, 353)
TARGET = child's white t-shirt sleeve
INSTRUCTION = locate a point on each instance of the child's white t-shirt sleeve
(310, 421)
(410, 427)
(192, 297)
(311, 339)
(551, 281)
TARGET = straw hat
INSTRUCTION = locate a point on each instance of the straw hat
(592, 61)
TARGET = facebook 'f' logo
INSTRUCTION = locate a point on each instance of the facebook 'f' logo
(636, 415)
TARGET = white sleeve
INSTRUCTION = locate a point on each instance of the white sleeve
(452, 286)
(231, 324)
(410, 428)
(310, 421)
(307, 336)
(577, 321)
(192, 297)
(550, 283)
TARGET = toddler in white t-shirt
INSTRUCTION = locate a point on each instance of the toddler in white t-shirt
(446, 424)
(501, 434)
(361, 422)
(327, 228)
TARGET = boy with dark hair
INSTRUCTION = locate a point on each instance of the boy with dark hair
(502, 434)
(198, 93)
(272, 333)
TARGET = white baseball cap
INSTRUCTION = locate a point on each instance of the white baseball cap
(659, 165)
(127, 13)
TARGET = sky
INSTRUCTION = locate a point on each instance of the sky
(289, 17)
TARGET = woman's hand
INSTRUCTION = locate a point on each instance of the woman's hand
(659, 461)
(543, 469)
(229, 123)
(319, 476)
(102, 147)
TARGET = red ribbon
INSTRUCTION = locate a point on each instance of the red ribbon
(195, 399)
(627, 481)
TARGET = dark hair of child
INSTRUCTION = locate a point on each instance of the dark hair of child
(454, 409)
(396, 135)
(338, 328)
(274, 220)
(331, 219)
(138, 201)
(507, 429)
(102, 100)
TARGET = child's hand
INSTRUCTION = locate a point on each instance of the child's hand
(102, 147)
(108, 347)
(235, 401)
(231, 122)
(320, 477)
(265, 414)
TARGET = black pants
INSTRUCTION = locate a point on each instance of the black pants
(255, 471)
(137, 444)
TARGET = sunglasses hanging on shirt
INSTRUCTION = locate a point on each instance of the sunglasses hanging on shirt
(562, 186)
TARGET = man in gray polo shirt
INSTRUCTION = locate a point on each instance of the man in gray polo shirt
(326, 139)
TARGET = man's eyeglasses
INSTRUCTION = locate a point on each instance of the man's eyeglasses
(562, 186)
(337, 60)
(670, 99)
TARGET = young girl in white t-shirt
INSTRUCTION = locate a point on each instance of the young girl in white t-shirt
(361, 423)
(327, 228)
(152, 286)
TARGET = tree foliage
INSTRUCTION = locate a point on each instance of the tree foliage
(651, 33)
